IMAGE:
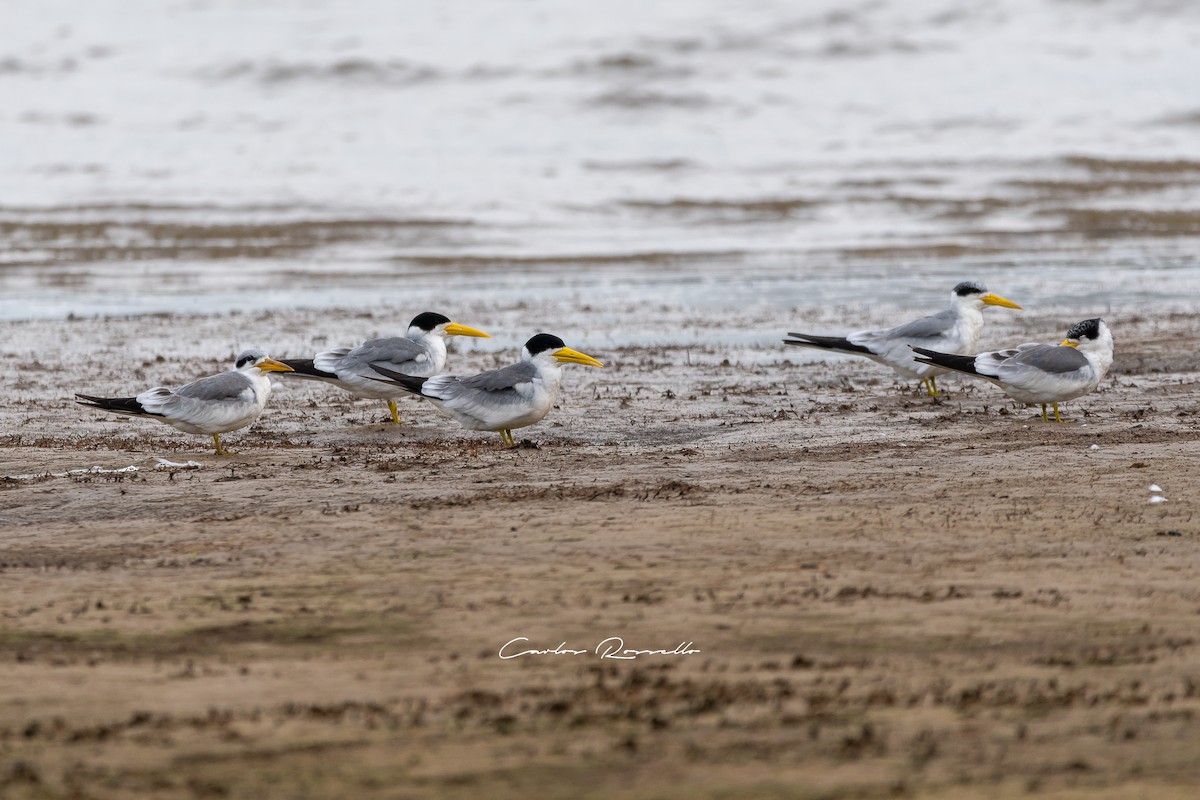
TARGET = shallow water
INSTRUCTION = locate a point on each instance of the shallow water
(191, 155)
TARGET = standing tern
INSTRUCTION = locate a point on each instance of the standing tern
(501, 399)
(1040, 373)
(213, 405)
(955, 330)
(420, 353)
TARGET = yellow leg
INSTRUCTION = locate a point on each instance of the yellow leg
(395, 414)
(1057, 418)
(933, 383)
(1044, 417)
(930, 386)
(507, 436)
(221, 451)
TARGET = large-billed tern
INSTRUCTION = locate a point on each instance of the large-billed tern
(421, 353)
(501, 399)
(955, 330)
(1040, 373)
(213, 405)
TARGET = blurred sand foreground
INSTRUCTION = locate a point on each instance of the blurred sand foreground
(891, 596)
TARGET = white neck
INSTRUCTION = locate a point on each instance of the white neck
(549, 370)
(1099, 351)
(261, 382)
(434, 343)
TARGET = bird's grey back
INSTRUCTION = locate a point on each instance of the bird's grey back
(497, 380)
(393, 350)
(1057, 359)
(226, 386)
(925, 328)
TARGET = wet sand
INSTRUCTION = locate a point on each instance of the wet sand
(891, 596)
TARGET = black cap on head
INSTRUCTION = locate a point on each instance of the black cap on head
(1088, 329)
(543, 342)
(249, 357)
(428, 321)
(970, 287)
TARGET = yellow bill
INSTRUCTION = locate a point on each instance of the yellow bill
(454, 329)
(271, 365)
(991, 299)
(1068, 343)
(575, 357)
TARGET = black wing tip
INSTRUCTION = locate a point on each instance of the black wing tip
(102, 402)
(953, 361)
(826, 343)
(121, 405)
(407, 382)
(303, 367)
(800, 336)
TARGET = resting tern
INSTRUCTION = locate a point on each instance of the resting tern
(213, 405)
(1041, 373)
(955, 330)
(420, 353)
(501, 399)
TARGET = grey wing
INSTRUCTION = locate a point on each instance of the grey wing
(486, 393)
(209, 400)
(395, 353)
(892, 344)
(1056, 359)
(226, 386)
(929, 327)
(503, 379)
(989, 364)
(491, 398)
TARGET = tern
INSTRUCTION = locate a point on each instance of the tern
(420, 353)
(1040, 374)
(213, 405)
(501, 399)
(955, 330)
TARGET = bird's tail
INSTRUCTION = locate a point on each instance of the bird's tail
(117, 405)
(947, 360)
(406, 382)
(837, 343)
(303, 368)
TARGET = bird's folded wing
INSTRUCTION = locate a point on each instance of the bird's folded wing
(934, 326)
(503, 379)
(1056, 359)
(224, 387)
(482, 404)
(892, 344)
(398, 353)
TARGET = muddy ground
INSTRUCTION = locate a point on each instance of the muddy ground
(890, 595)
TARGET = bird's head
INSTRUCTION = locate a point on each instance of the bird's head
(974, 294)
(1091, 334)
(547, 348)
(255, 359)
(433, 324)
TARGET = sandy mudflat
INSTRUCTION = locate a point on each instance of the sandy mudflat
(892, 596)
